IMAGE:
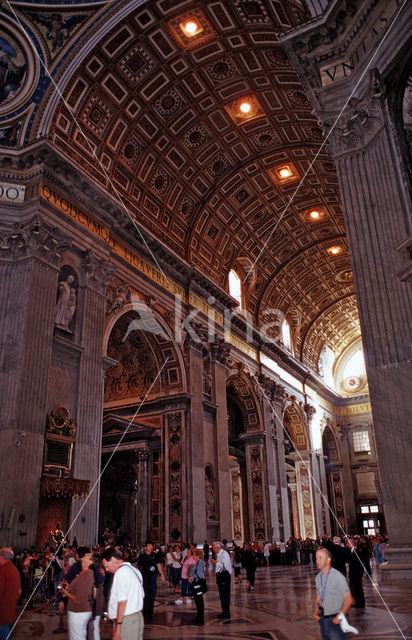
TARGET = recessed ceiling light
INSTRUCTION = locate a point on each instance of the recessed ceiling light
(334, 250)
(284, 172)
(245, 107)
(190, 28)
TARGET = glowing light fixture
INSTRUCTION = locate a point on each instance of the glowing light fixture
(334, 251)
(190, 27)
(315, 215)
(245, 107)
(284, 172)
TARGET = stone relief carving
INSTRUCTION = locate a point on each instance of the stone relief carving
(59, 422)
(117, 295)
(66, 304)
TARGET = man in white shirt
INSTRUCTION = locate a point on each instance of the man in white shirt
(126, 597)
(223, 579)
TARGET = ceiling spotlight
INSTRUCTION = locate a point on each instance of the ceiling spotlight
(190, 28)
(315, 215)
(334, 250)
(284, 172)
(245, 107)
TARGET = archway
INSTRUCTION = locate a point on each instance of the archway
(143, 444)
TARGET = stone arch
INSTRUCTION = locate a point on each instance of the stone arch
(295, 422)
(241, 388)
(331, 449)
(139, 340)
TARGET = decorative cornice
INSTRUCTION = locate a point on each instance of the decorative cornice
(34, 238)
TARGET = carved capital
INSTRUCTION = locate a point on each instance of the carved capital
(34, 238)
(310, 411)
(359, 122)
(220, 352)
(98, 271)
(273, 391)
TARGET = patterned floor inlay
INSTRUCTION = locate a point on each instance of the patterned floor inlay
(280, 608)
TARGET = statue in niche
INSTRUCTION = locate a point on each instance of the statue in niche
(210, 499)
(66, 304)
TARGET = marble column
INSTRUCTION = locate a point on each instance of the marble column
(220, 359)
(348, 490)
(196, 498)
(256, 483)
(295, 510)
(361, 118)
(29, 268)
(277, 499)
(86, 459)
(175, 463)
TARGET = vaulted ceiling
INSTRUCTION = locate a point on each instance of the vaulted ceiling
(152, 116)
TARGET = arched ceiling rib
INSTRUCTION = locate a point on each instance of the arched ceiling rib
(154, 114)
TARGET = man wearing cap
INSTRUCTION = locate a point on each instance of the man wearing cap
(10, 589)
(333, 598)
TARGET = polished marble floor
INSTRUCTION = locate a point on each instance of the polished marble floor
(280, 608)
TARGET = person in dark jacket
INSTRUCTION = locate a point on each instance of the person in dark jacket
(356, 570)
(250, 561)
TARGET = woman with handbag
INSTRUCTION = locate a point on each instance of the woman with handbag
(199, 586)
(79, 594)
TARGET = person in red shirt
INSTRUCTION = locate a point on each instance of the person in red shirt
(10, 589)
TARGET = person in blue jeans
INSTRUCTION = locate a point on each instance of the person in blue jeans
(332, 597)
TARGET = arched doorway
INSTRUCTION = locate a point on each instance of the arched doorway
(298, 470)
(143, 444)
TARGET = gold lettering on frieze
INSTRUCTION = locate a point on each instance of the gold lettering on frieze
(354, 409)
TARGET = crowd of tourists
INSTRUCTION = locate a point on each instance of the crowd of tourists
(120, 582)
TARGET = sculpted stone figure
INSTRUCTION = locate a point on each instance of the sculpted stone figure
(66, 304)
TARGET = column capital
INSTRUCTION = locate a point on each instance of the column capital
(98, 271)
(33, 238)
(310, 411)
(358, 124)
(273, 391)
(220, 352)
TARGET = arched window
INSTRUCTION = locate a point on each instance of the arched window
(235, 287)
(325, 365)
(355, 366)
(286, 338)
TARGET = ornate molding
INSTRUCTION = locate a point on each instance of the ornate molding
(34, 238)
(63, 487)
(310, 411)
